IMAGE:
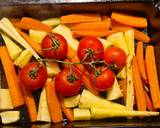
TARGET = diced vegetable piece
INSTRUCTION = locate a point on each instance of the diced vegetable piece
(52, 68)
(7, 27)
(79, 18)
(81, 114)
(114, 92)
(23, 59)
(101, 113)
(67, 34)
(119, 41)
(37, 36)
(129, 36)
(130, 87)
(122, 74)
(9, 117)
(5, 100)
(105, 43)
(88, 100)
(71, 102)
(13, 49)
(52, 21)
(11, 76)
(43, 112)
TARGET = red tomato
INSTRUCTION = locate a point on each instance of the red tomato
(103, 81)
(116, 56)
(90, 44)
(67, 85)
(33, 76)
(54, 46)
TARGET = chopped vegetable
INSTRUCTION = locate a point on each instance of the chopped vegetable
(71, 102)
(9, 117)
(81, 114)
(13, 49)
(141, 61)
(129, 20)
(30, 23)
(53, 102)
(138, 86)
(101, 113)
(11, 76)
(94, 26)
(88, 100)
(67, 111)
(152, 76)
(30, 103)
(23, 58)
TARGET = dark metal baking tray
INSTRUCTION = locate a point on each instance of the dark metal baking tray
(42, 9)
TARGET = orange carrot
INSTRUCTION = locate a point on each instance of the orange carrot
(67, 111)
(140, 36)
(14, 20)
(11, 76)
(33, 44)
(129, 20)
(93, 33)
(30, 103)
(138, 86)
(140, 61)
(123, 86)
(53, 102)
(92, 26)
(151, 69)
(79, 18)
(148, 101)
(29, 23)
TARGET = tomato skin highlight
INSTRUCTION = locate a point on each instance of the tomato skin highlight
(64, 87)
(103, 81)
(92, 43)
(33, 83)
(47, 43)
(116, 56)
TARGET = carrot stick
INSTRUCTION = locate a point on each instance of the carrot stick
(123, 86)
(140, 36)
(33, 44)
(92, 26)
(129, 20)
(148, 101)
(29, 23)
(30, 103)
(140, 61)
(53, 102)
(152, 76)
(11, 76)
(79, 18)
(93, 33)
(138, 86)
(67, 111)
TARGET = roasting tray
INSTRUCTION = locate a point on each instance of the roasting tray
(42, 9)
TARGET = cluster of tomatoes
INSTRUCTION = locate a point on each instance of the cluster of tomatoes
(68, 81)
